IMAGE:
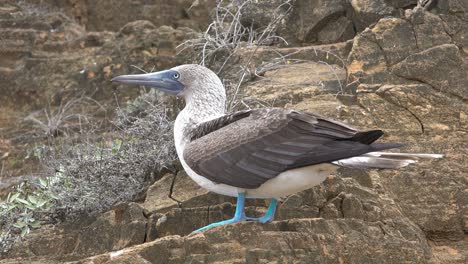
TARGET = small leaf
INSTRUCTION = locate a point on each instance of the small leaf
(14, 196)
(12, 206)
(30, 207)
(24, 231)
(43, 182)
(21, 200)
(41, 203)
(19, 224)
(32, 199)
(35, 224)
(116, 145)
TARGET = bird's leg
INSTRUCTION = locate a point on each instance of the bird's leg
(239, 215)
(269, 215)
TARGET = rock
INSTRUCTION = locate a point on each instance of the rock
(420, 100)
(454, 15)
(310, 17)
(82, 62)
(392, 40)
(442, 67)
(299, 241)
(388, 42)
(413, 89)
(303, 21)
(352, 207)
(367, 12)
(449, 252)
(258, 14)
(111, 16)
(185, 190)
(428, 122)
(183, 221)
(341, 29)
(429, 30)
(293, 83)
(121, 227)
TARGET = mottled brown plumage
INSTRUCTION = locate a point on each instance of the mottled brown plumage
(245, 149)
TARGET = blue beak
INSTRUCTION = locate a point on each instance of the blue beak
(166, 81)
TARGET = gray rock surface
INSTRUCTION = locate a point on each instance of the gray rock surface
(108, 15)
(122, 227)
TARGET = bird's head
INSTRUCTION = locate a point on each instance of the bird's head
(187, 81)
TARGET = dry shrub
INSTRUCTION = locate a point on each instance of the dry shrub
(98, 175)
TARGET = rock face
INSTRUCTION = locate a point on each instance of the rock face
(419, 80)
(48, 56)
(109, 15)
(316, 21)
(122, 227)
(299, 241)
(403, 70)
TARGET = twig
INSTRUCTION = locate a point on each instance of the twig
(171, 189)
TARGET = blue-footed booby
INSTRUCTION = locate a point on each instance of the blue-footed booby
(264, 153)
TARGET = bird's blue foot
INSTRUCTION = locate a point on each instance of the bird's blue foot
(239, 216)
(230, 221)
(269, 215)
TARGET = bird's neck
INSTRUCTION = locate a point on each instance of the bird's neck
(199, 108)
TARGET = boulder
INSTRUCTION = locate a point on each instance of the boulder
(122, 227)
(442, 67)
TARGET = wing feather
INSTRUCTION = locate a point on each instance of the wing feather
(245, 149)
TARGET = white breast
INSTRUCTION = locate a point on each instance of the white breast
(293, 181)
(286, 183)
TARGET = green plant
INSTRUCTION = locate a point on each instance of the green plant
(116, 145)
(29, 198)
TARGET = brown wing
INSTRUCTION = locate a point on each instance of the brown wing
(260, 144)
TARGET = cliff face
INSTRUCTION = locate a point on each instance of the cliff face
(373, 64)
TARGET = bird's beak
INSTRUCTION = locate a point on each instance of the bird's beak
(163, 80)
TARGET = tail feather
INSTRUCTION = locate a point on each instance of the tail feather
(405, 155)
(384, 160)
(367, 137)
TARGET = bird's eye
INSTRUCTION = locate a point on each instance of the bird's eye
(176, 75)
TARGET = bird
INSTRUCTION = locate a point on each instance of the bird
(265, 153)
